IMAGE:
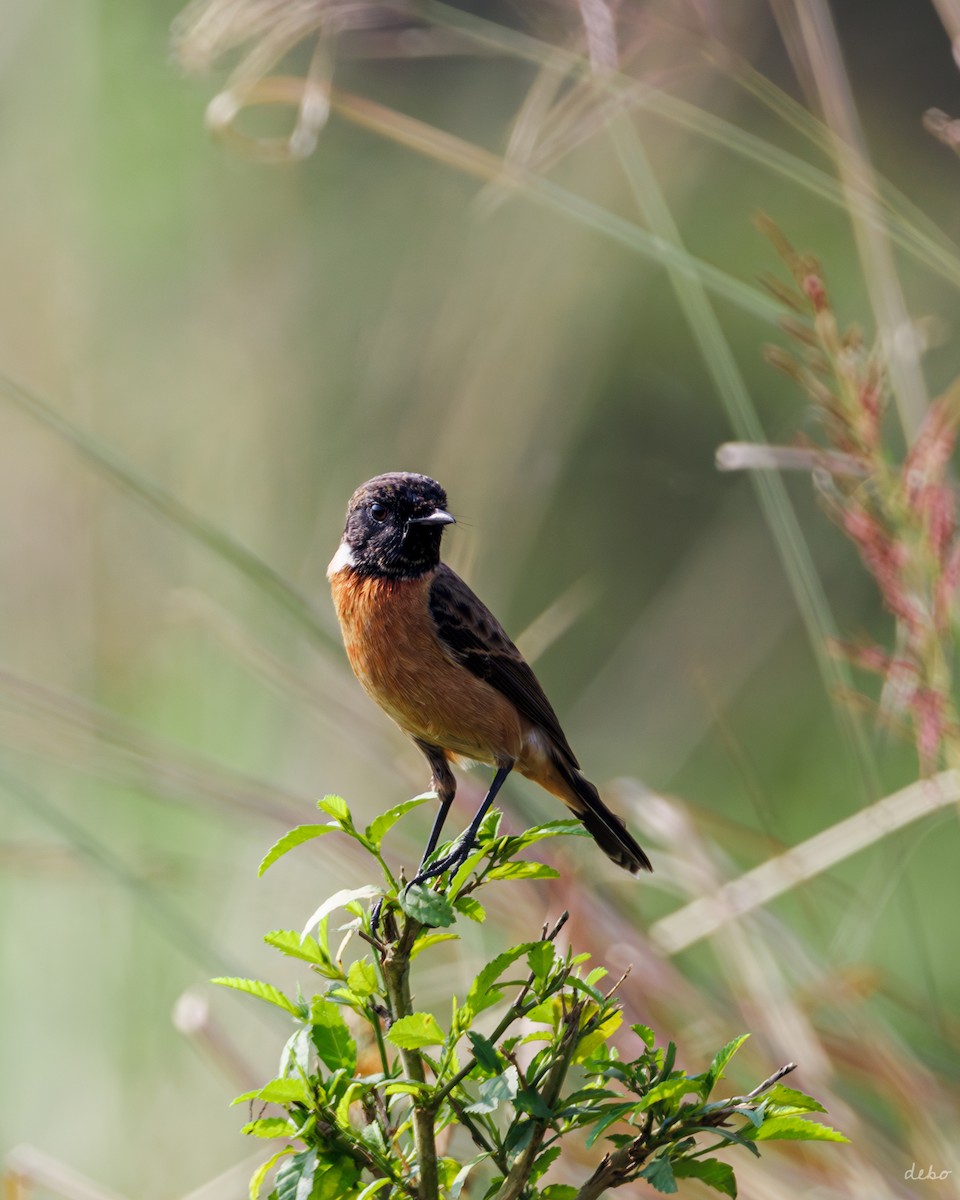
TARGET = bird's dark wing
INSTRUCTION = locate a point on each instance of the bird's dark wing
(473, 635)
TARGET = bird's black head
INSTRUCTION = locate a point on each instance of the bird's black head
(394, 526)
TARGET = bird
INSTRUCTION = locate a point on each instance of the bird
(439, 663)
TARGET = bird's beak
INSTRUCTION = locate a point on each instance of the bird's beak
(439, 516)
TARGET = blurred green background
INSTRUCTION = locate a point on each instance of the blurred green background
(256, 341)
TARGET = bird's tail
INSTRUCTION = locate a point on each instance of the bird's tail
(606, 828)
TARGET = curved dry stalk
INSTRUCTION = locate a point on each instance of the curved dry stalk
(780, 874)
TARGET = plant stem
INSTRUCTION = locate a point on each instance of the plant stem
(519, 1175)
(396, 976)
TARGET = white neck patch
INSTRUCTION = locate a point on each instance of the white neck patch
(341, 560)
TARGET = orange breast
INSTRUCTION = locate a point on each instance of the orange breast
(394, 650)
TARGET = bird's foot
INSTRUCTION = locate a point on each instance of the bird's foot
(456, 858)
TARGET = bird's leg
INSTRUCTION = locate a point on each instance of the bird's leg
(465, 843)
(446, 787)
(445, 783)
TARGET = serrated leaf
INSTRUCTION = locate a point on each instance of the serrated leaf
(787, 1097)
(484, 1052)
(669, 1089)
(336, 806)
(470, 908)
(338, 900)
(426, 940)
(270, 1127)
(380, 826)
(523, 870)
(426, 906)
(544, 1163)
(711, 1171)
(263, 991)
(533, 1104)
(362, 978)
(416, 1030)
(718, 1066)
(659, 1174)
(260, 1174)
(611, 1114)
(278, 1091)
(493, 1092)
(289, 942)
(541, 958)
(794, 1129)
(296, 837)
(645, 1034)
(295, 1177)
(331, 1037)
(561, 828)
(372, 1135)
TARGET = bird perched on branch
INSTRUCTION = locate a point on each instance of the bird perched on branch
(438, 662)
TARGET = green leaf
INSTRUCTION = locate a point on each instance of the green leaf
(456, 1185)
(711, 1171)
(295, 1177)
(785, 1097)
(544, 1163)
(718, 1066)
(336, 806)
(426, 940)
(263, 991)
(533, 1104)
(331, 1037)
(362, 978)
(493, 1092)
(645, 1034)
(372, 1188)
(405, 1087)
(592, 1041)
(270, 1127)
(523, 870)
(482, 993)
(559, 1191)
(484, 1052)
(335, 1180)
(289, 942)
(470, 908)
(338, 900)
(464, 871)
(372, 1135)
(418, 1029)
(296, 837)
(541, 958)
(561, 828)
(659, 1174)
(379, 826)
(260, 1174)
(279, 1091)
(668, 1090)
(426, 906)
(794, 1129)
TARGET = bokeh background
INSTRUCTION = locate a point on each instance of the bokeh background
(203, 354)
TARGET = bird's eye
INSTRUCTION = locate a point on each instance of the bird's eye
(378, 512)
